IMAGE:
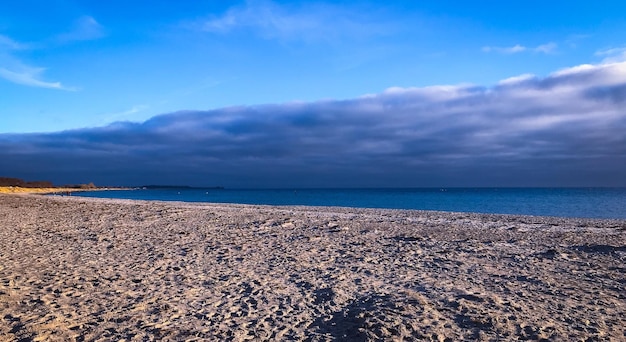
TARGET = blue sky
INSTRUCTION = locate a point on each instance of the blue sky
(74, 64)
(99, 73)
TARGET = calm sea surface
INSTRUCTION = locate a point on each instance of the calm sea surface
(562, 202)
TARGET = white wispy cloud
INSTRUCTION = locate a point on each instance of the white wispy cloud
(513, 49)
(517, 79)
(13, 69)
(308, 22)
(6, 43)
(84, 28)
(517, 48)
(613, 55)
(546, 48)
(123, 115)
(31, 77)
(574, 40)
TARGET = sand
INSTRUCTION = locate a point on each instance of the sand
(99, 270)
(20, 190)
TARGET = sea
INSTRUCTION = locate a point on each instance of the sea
(606, 203)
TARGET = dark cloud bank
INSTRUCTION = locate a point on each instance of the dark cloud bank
(568, 129)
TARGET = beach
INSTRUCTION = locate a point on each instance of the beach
(54, 190)
(82, 269)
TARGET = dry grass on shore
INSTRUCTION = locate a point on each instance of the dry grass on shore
(20, 190)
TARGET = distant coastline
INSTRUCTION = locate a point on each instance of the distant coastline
(152, 187)
(10, 185)
(54, 190)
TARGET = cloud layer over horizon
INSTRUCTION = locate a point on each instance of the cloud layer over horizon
(566, 129)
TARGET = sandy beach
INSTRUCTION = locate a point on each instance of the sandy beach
(19, 190)
(79, 269)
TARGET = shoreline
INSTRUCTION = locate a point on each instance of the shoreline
(101, 269)
(600, 205)
(47, 191)
(328, 207)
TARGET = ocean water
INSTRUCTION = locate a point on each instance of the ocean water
(561, 202)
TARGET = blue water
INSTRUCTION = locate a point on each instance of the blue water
(561, 202)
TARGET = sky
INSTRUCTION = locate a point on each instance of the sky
(267, 93)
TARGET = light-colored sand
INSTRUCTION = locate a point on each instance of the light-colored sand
(87, 269)
(20, 190)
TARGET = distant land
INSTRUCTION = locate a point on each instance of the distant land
(20, 183)
(17, 182)
(8, 181)
(181, 187)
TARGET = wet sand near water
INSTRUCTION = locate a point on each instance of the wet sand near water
(81, 269)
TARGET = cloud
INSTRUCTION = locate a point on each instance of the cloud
(543, 48)
(310, 22)
(574, 40)
(109, 117)
(25, 75)
(6, 43)
(513, 49)
(565, 129)
(546, 48)
(14, 70)
(614, 55)
(84, 28)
